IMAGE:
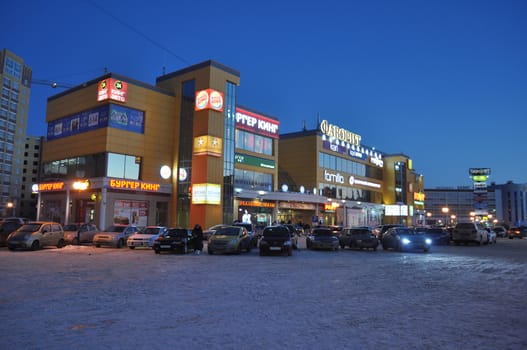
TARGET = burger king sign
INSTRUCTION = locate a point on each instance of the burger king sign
(209, 99)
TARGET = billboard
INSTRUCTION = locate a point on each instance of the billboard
(112, 89)
(209, 99)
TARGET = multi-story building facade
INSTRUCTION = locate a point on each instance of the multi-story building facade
(30, 177)
(511, 203)
(182, 152)
(449, 205)
(15, 78)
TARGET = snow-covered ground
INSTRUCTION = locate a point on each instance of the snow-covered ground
(455, 297)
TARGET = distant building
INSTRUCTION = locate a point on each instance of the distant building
(15, 78)
(448, 205)
(30, 177)
(511, 203)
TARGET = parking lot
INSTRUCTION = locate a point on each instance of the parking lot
(81, 297)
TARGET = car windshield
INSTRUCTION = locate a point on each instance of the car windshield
(322, 232)
(359, 231)
(71, 227)
(150, 231)
(465, 226)
(434, 230)
(227, 231)
(115, 229)
(407, 231)
(276, 232)
(177, 233)
(30, 227)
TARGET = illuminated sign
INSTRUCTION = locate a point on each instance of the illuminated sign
(257, 204)
(183, 174)
(419, 196)
(51, 186)
(256, 123)
(254, 161)
(206, 194)
(479, 171)
(112, 89)
(131, 185)
(209, 99)
(339, 133)
(396, 210)
(354, 181)
(331, 177)
(210, 145)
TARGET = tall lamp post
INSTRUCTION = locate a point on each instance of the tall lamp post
(445, 211)
(11, 207)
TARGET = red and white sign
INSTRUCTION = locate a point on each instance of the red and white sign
(256, 123)
(112, 89)
(209, 99)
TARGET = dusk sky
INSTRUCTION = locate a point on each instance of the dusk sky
(442, 81)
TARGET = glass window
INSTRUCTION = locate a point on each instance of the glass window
(122, 166)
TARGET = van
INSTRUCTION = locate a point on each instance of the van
(35, 235)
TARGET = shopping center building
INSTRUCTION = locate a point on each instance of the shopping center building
(182, 152)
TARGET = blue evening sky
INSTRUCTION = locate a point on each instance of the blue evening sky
(442, 81)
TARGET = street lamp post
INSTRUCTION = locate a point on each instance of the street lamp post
(445, 211)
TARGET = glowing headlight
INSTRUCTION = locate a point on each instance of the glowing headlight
(287, 243)
(428, 241)
(405, 241)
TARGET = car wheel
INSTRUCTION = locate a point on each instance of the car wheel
(249, 247)
(11, 248)
(61, 243)
(97, 245)
(262, 253)
(290, 252)
(210, 251)
(157, 251)
(35, 245)
(375, 248)
(131, 247)
(119, 244)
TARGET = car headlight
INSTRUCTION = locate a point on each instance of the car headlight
(287, 243)
(428, 241)
(405, 241)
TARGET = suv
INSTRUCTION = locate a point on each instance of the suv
(115, 235)
(469, 232)
(37, 234)
(276, 239)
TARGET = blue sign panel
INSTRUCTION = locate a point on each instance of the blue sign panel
(101, 117)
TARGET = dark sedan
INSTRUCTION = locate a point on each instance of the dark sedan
(175, 240)
(358, 238)
(322, 238)
(276, 239)
(405, 238)
(438, 235)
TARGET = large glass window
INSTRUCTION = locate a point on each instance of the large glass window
(254, 143)
(123, 166)
(253, 180)
(332, 162)
(229, 137)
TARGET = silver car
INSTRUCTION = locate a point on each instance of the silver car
(79, 233)
(35, 235)
(146, 237)
(114, 236)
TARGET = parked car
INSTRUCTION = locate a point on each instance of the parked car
(210, 231)
(146, 237)
(115, 235)
(6, 227)
(322, 238)
(250, 231)
(500, 231)
(358, 238)
(230, 239)
(175, 239)
(465, 232)
(79, 233)
(438, 235)
(293, 232)
(517, 232)
(405, 238)
(491, 235)
(276, 239)
(35, 235)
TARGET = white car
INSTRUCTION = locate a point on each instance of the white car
(146, 237)
(115, 235)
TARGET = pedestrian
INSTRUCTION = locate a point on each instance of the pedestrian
(197, 233)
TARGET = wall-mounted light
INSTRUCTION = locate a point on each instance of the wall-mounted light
(165, 172)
